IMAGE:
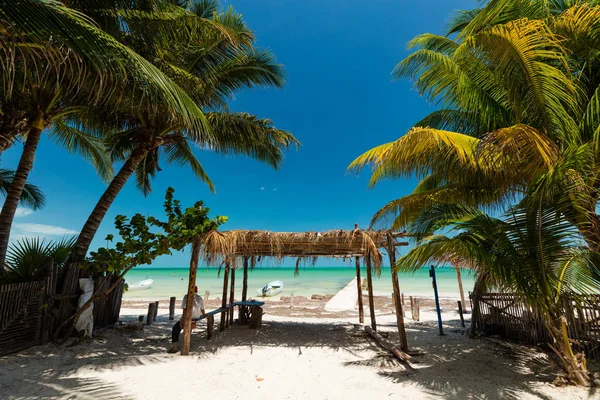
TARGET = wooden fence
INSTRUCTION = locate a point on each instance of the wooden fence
(21, 315)
(509, 316)
(29, 312)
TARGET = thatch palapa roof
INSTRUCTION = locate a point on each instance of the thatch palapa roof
(219, 246)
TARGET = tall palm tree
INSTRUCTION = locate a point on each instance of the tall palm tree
(534, 253)
(56, 60)
(519, 114)
(211, 69)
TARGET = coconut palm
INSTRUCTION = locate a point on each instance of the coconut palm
(519, 116)
(32, 197)
(211, 69)
(27, 259)
(537, 254)
(57, 60)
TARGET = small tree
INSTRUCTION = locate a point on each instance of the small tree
(141, 245)
(183, 228)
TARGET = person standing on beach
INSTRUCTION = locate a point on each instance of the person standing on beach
(196, 312)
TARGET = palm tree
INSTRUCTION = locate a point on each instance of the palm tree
(534, 253)
(32, 197)
(57, 60)
(28, 258)
(519, 115)
(211, 69)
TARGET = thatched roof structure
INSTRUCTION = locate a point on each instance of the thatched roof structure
(307, 246)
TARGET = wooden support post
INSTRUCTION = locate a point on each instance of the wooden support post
(361, 311)
(224, 300)
(460, 312)
(460, 287)
(242, 309)
(210, 326)
(150, 316)
(155, 310)
(172, 301)
(140, 318)
(402, 298)
(396, 285)
(370, 289)
(416, 312)
(186, 320)
(232, 296)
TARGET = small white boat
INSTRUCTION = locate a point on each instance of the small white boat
(270, 289)
(141, 285)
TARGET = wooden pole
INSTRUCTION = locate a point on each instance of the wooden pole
(156, 311)
(370, 289)
(224, 300)
(398, 302)
(416, 313)
(150, 316)
(242, 309)
(402, 298)
(186, 320)
(437, 299)
(460, 312)
(140, 318)
(361, 311)
(245, 281)
(172, 301)
(460, 288)
(232, 296)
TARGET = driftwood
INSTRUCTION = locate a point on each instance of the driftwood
(403, 357)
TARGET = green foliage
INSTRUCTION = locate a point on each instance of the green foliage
(27, 259)
(141, 244)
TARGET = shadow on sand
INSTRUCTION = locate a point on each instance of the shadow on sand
(452, 366)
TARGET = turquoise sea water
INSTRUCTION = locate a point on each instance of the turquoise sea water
(312, 280)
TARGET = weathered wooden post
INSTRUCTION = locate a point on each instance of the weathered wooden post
(460, 287)
(460, 312)
(416, 311)
(210, 326)
(242, 309)
(140, 318)
(172, 301)
(156, 310)
(391, 248)
(361, 311)
(224, 300)
(370, 290)
(186, 320)
(232, 295)
(150, 316)
(402, 298)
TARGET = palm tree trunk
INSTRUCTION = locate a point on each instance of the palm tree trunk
(71, 274)
(18, 184)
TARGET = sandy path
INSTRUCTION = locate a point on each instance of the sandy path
(296, 358)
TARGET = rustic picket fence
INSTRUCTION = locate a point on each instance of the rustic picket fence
(509, 316)
(29, 311)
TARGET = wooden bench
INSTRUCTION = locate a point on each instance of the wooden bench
(255, 318)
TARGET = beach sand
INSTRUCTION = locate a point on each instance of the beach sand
(301, 352)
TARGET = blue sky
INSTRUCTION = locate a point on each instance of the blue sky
(339, 101)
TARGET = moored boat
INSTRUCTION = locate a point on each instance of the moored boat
(141, 285)
(270, 289)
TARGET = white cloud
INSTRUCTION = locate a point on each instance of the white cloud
(23, 212)
(275, 189)
(262, 188)
(42, 230)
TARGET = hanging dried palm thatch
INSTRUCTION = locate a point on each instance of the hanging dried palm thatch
(305, 246)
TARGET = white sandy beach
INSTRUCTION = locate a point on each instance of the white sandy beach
(290, 357)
